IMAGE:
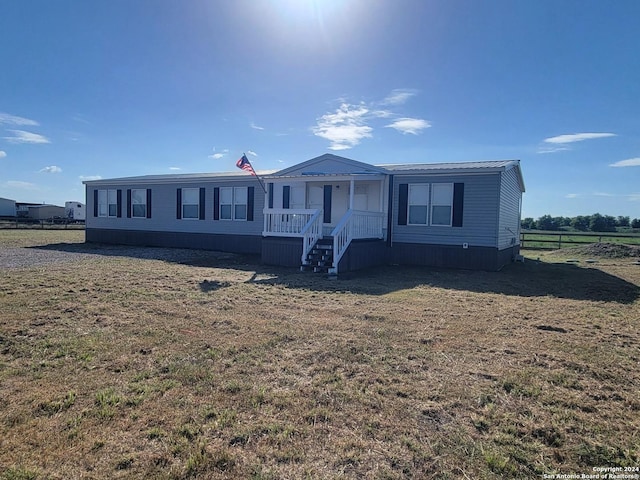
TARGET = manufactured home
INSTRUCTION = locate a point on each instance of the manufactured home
(7, 207)
(45, 212)
(330, 213)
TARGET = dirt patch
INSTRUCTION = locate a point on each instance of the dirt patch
(603, 250)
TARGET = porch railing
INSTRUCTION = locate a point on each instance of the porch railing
(285, 222)
(354, 225)
(310, 234)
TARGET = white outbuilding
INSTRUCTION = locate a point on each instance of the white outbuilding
(75, 210)
(7, 207)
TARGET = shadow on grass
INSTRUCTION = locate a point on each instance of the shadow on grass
(530, 279)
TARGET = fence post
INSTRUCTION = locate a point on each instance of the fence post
(559, 241)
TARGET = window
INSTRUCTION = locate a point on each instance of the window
(441, 204)
(418, 201)
(191, 203)
(233, 203)
(107, 203)
(139, 203)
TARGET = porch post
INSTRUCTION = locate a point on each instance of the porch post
(352, 185)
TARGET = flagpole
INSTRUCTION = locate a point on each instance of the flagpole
(256, 174)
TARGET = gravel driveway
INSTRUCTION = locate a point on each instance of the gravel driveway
(27, 257)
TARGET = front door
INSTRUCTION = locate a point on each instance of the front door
(332, 198)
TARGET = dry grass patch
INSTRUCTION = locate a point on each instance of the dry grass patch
(182, 364)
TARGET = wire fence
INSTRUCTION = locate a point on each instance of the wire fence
(537, 240)
(44, 224)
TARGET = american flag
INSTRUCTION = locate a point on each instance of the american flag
(245, 164)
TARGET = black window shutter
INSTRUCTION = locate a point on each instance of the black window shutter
(326, 204)
(250, 204)
(95, 203)
(286, 194)
(119, 203)
(403, 203)
(128, 203)
(201, 203)
(148, 203)
(270, 188)
(216, 203)
(179, 204)
(458, 204)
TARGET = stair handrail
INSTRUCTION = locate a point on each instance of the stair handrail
(341, 239)
(354, 224)
(311, 232)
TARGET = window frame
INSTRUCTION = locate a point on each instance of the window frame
(234, 204)
(410, 204)
(106, 202)
(432, 204)
(184, 204)
(144, 197)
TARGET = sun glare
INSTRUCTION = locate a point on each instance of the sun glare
(311, 24)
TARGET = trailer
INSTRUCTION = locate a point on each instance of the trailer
(75, 211)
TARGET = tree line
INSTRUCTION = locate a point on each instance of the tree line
(581, 223)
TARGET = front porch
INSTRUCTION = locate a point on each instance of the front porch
(322, 208)
(322, 245)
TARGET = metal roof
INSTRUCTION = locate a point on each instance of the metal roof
(175, 177)
(490, 166)
(454, 166)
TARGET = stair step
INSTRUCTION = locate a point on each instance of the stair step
(320, 258)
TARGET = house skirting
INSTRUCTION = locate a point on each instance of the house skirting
(364, 254)
(248, 244)
(452, 256)
(287, 252)
(283, 251)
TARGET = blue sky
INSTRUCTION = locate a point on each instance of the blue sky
(114, 88)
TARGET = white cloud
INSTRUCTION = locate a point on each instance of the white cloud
(256, 127)
(3, 154)
(382, 113)
(20, 136)
(7, 119)
(632, 197)
(630, 162)
(398, 96)
(345, 128)
(409, 125)
(78, 117)
(174, 168)
(577, 137)
(351, 123)
(218, 155)
(87, 178)
(51, 169)
(21, 185)
(546, 149)
(252, 153)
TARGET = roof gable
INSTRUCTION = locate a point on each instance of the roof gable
(329, 164)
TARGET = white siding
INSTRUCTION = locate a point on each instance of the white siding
(480, 212)
(510, 199)
(164, 209)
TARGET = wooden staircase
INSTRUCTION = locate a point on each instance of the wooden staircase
(320, 258)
